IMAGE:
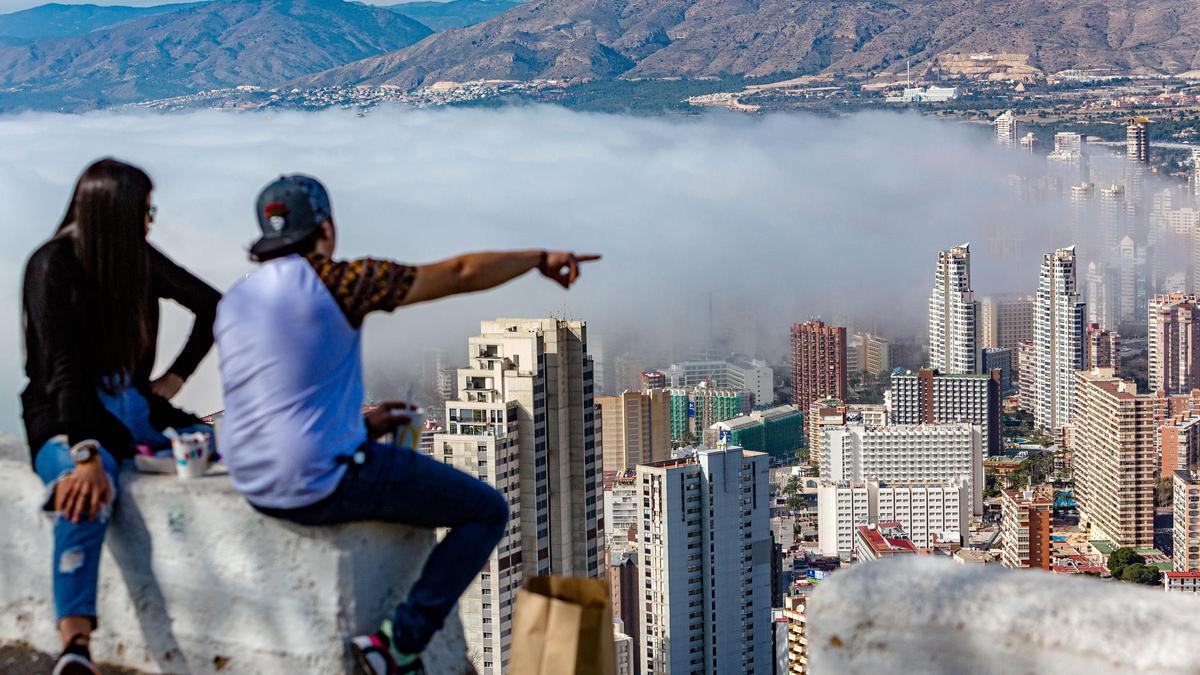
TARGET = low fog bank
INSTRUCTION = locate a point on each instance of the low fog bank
(773, 219)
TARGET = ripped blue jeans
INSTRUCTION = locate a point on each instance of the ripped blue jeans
(76, 545)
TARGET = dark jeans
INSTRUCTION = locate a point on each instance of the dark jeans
(400, 485)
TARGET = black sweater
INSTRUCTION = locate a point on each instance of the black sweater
(61, 395)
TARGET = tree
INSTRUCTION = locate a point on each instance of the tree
(1138, 573)
(1121, 558)
(1163, 491)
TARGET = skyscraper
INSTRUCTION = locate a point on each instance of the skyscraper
(1114, 215)
(818, 363)
(1101, 286)
(706, 564)
(1058, 325)
(548, 372)
(635, 428)
(1115, 458)
(1006, 129)
(1127, 280)
(1195, 173)
(1173, 343)
(953, 314)
(1137, 140)
(523, 422)
(1082, 211)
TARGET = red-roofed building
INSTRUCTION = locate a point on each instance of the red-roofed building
(884, 540)
(1181, 582)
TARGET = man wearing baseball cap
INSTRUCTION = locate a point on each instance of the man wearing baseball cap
(293, 436)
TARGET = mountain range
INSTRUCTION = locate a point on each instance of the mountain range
(64, 57)
(221, 43)
(57, 20)
(551, 39)
(455, 13)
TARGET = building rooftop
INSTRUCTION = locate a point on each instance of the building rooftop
(886, 538)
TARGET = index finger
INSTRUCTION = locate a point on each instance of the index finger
(587, 257)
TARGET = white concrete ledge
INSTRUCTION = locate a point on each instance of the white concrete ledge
(195, 581)
(924, 615)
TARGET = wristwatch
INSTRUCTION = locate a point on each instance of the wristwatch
(83, 451)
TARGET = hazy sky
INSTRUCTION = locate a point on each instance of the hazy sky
(779, 218)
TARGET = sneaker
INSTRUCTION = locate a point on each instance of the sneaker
(376, 655)
(75, 659)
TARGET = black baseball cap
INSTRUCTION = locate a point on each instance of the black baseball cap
(288, 210)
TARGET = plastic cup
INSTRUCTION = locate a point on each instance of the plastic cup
(409, 435)
(192, 451)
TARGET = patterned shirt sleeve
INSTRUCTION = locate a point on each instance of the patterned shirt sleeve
(365, 285)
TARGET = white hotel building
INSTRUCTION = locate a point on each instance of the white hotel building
(706, 564)
(927, 511)
(915, 453)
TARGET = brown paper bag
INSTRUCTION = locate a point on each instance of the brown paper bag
(562, 626)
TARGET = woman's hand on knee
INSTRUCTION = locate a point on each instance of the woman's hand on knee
(83, 492)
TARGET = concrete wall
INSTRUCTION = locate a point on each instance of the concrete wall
(928, 615)
(195, 581)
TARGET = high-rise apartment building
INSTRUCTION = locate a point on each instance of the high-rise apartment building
(818, 363)
(1025, 360)
(1057, 340)
(1102, 289)
(929, 511)
(1082, 200)
(1179, 443)
(877, 359)
(1102, 348)
(1115, 457)
(1025, 516)
(654, 379)
(1195, 173)
(1000, 359)
(635, 428)
(1137, 140)
(1173, 343)
(1028, 142)
(953, 314)
(523, 422)
(1005, 320)
(1127, 280)
(1006, 129)
(905, 452)
(1114, 215)
(930, 397)
(794, 612)
(1185, 521)
(695, 409)
(706, 564)
(622, 506)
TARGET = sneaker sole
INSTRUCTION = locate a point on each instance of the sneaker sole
(360, 659)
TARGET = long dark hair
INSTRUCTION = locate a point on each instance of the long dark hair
(107, 220)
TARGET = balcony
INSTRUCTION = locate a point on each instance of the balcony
(910, 615)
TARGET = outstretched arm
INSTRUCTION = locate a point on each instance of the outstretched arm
(480, 271)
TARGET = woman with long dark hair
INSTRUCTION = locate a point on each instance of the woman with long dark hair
(91, 322)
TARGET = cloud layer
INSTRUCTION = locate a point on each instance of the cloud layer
(775, 218)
